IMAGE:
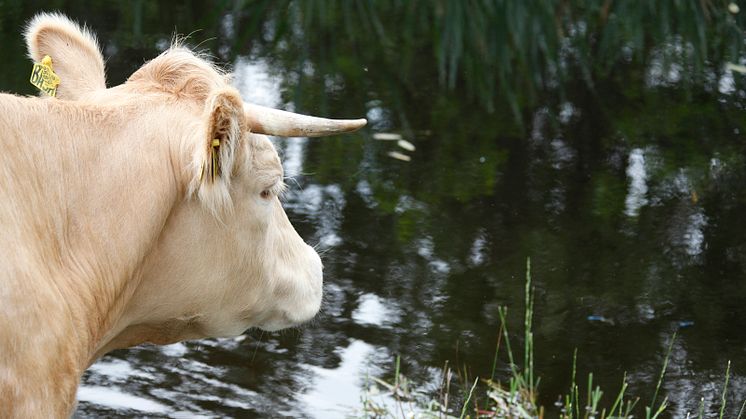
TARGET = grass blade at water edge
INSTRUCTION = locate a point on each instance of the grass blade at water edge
(570, 398)
(396, 371)
(396, 384)
(701, 408)
(528, 350)
(502, 312)
(660, 381)
(468, 398)
(497, 350)
(661, 408)
(619, 398)
(588, 391)
(725, 390)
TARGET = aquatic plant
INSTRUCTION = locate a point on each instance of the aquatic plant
(517, 397)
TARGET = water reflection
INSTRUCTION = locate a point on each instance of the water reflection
(638, 188)
(292, 157)
(375, 311)
(478, 251)
(694, 237)
(116, 398)
(257, 82)
(336, 392)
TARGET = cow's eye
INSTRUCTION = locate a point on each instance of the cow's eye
(272, 191)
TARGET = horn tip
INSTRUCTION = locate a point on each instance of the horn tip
(358, 123)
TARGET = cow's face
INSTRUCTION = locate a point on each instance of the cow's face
(219, 273)
(287, 285)
(228, 258)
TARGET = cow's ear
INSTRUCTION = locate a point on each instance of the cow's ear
(224, 124)
(76, 57)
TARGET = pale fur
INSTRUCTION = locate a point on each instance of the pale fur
(76, 57)
(109, 233)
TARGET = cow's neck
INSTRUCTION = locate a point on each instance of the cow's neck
(97, 201)
(131, 206)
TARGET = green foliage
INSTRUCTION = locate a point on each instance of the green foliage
(505, 55)
(511, 52)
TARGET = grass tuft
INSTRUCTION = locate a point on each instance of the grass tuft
(516, 398)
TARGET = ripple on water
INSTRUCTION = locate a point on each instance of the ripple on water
(335, 392)
(174, 350)
(118, 370)
(115, 398)
(373, 310)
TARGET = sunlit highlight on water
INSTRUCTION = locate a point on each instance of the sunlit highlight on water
(638, 188)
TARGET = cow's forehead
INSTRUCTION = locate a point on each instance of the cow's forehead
(264, 154)
(263, 144)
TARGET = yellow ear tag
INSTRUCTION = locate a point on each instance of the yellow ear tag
(43, 77)
(215, 161)
(215, 144)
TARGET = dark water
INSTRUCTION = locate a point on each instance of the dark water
(628, 197)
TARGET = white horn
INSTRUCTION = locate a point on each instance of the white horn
(270, 121)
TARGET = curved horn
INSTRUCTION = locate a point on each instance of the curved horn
(270, 121)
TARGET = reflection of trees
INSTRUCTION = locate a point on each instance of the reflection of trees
(497, 53)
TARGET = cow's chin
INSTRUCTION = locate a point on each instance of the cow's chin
(299, 305)
(284, 321)
(274, 326)
(271, 320)
(239, 328)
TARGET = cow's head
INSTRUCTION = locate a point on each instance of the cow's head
(227, 258)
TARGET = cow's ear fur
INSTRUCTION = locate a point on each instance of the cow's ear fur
(76, 57)
(215, 157)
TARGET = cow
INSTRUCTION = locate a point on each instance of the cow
(143, 212)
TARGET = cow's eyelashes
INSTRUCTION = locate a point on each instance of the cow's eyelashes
(274, 190)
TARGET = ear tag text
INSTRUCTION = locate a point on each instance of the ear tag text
(44, 78)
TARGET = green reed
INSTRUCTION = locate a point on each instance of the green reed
(518, 396)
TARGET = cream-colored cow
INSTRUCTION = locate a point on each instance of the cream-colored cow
(145, 212)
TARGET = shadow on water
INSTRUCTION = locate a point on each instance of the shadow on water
(602, 139)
